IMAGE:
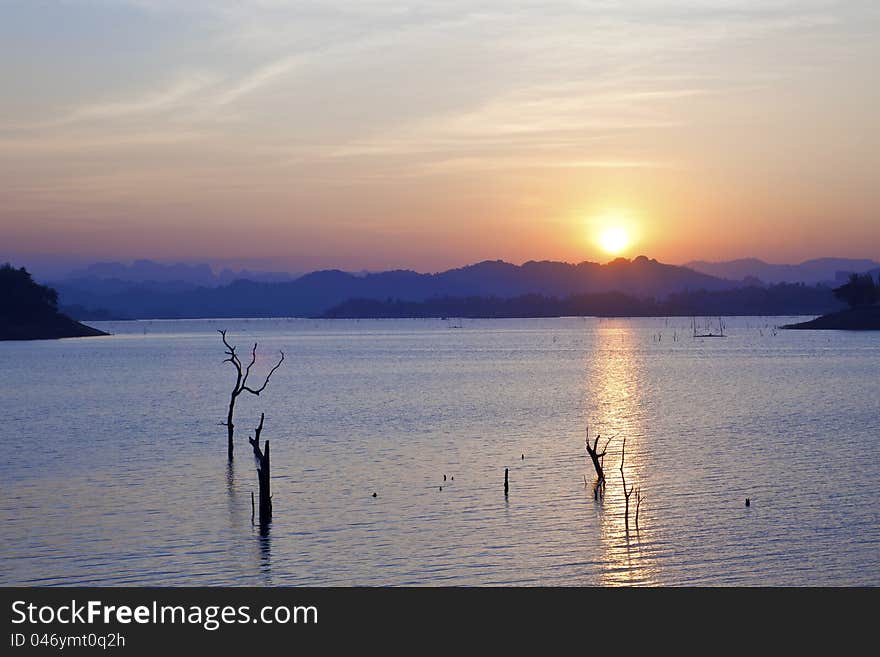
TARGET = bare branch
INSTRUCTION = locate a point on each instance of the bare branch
(247, 372)
(229, 348)
(266, 382)
(233, 358)
(604, 449)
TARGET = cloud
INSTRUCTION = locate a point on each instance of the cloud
(84, 143)
(494, 163)
(259, 78)
(180, 94)
(163, 100)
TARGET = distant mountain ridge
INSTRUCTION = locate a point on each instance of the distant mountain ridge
(182, 274)
(819, 270)
(315, 293)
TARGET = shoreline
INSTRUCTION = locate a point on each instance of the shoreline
(864, 318)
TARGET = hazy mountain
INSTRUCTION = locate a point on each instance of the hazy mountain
(146, 270)
(315, 293)
(184, 274)
(820, 270)
(227, 276)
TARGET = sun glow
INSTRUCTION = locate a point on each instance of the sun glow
(614, 240)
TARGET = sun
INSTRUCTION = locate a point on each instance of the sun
(614, 240)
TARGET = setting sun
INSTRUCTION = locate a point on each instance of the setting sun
(614, 240)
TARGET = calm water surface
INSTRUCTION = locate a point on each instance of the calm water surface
(113, 469)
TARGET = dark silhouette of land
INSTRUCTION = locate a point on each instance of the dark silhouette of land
(863, 297)
(774, 300)
(316, 293)
(29, 311)
(853, 319)
(622, 287)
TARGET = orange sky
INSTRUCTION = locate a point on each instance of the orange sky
(429, 135)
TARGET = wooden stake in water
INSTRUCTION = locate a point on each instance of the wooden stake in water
(506, 487)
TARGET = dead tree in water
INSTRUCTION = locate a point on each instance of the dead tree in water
(263, 470)
(598, 459)
(639, 499)
(241, 378)
(625, 492)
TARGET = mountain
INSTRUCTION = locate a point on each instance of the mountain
(29, 311)
(154, 286)
(145, 270)
(820, 270)
(315, 293)
(181, 274)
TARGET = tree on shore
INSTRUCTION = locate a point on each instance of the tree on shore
(29, 311)
(860, 290)
(24, 297)
(241, 385)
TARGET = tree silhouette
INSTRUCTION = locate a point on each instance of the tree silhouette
(22, 296)
(241, 379)
(860, 290)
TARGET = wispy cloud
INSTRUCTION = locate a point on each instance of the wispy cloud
(262, 77)
(90, 142)
(493, 163)
(163, 100)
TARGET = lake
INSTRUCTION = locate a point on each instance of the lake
(114, 467)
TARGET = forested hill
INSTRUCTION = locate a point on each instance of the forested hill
(29, 311)
(780, 299)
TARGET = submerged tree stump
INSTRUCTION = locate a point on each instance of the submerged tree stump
(261, 457)
(598, 459)
(626, 492)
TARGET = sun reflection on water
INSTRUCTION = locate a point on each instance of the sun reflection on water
(616, 406)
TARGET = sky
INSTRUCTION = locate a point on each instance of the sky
(427, 135)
